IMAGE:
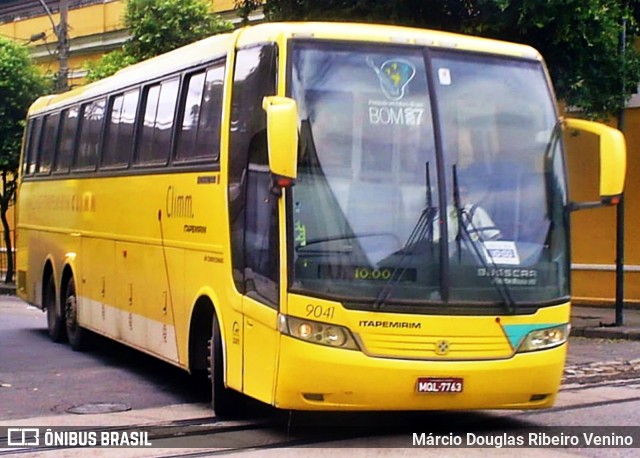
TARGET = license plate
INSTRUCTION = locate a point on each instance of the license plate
(439, 385)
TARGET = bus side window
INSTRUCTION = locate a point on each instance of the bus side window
(66, 145)
(48, 144)
(32, 147)
(199, 133)
(119, 129)
(154, 143)
(89, 137)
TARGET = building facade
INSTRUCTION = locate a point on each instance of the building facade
(95, 27)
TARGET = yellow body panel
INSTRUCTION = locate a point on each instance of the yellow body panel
(132, 250)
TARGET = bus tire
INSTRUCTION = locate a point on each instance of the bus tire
(55, 322)
(75, 334)
(225, 401)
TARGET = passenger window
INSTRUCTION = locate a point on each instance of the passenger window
(32, 147)
(154, 144)
(66, 145)
(199, 134)
(48, 144)
(90, 130)
(119, 133)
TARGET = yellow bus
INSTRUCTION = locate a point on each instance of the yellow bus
(321, 216)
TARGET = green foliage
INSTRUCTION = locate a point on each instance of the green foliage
(159, 26)
(20, 85)
(581, 42)
(580, 39)
(108, 65)
(245, 7)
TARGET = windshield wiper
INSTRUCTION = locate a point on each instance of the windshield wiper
(423, 230)
(466, 226)
(332, 238)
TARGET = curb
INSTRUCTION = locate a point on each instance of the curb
(603, 332)
(7, 289)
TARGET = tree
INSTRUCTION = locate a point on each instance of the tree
(580, 39)
(20, 84)
(159, 26)
(245, 7)
(108, 64)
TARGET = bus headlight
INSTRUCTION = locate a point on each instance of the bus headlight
(330, 335)
(545, 338)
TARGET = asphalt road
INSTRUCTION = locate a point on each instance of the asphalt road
(39, 377)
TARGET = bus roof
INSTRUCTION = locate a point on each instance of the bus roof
(219, 45)
(382, 33)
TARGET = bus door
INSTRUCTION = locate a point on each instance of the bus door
(261, 301)
(253, 218)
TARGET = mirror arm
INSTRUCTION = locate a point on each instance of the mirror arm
(605, 202)
(278, 183)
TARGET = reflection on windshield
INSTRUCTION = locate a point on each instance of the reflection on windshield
(497, 120)
(373, 200)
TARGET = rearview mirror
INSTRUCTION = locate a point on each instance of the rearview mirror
(282, 140)
(613, 161)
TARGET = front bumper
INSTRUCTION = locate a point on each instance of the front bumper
(313, 377)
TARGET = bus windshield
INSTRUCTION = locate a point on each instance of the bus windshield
(426, 178)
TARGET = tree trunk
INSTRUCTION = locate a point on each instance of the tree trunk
(8, 191)
(7, 243)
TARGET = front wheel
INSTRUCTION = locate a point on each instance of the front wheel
(76, 335)
(55, 322)
(225, 401)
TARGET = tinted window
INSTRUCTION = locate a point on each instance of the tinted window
(90, 129)
(48, 144)
(155, 134)
(199, 135)
(66, 144)
(31, 150)
(253, 211)
(120, 129)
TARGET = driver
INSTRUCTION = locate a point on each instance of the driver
(471, 222)
(476, 224)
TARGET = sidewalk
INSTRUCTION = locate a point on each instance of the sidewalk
(599, 322)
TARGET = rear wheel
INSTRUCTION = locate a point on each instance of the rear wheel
(225, 401)
(76, 335)
(55, 322)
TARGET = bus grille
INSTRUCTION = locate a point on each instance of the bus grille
(433, 346)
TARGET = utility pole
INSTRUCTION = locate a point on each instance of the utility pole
(620, 207)
(62, 32)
